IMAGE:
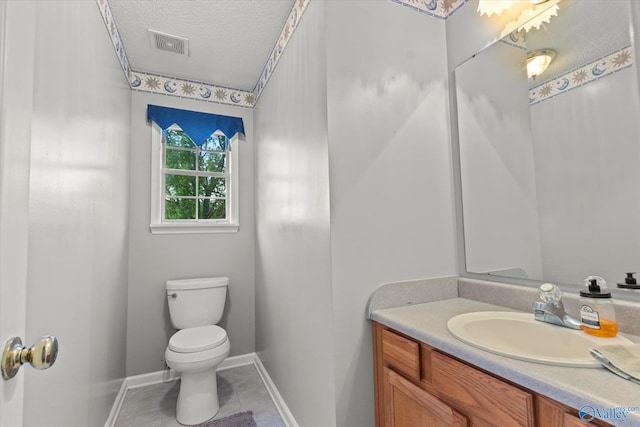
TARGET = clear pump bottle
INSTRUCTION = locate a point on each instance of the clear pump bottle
(596, 309)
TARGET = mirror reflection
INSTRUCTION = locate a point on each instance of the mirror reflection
(550, 164)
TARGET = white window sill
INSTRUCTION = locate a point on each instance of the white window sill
(193, 228)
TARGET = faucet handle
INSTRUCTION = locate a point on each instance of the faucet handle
(550, 293)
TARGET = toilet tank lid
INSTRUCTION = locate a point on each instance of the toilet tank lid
(202, 283)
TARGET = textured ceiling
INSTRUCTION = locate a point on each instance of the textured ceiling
(583, 31)
(229, 40)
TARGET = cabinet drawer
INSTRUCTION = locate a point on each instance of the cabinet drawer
(402, 354)
(480, 395)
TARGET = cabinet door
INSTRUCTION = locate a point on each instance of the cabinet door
(554, 414)
(570, 421)
(407, 405)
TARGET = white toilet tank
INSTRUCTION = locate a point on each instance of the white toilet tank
(196, 302)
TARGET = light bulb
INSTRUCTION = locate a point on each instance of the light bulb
(538, 61)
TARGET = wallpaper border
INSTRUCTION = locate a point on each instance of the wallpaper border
(140, 80)
(580, 76)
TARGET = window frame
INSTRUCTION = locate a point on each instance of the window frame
(159, 225)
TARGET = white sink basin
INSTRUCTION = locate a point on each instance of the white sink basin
(520, 336)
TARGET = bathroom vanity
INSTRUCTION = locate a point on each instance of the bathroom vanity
(418, 385)
(425, 377)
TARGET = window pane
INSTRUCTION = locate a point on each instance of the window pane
(209, 186)
(212, 162)
(180, 185)
(180, 159)
(179, 208)
(215, 143)
(212, 209)
(177, 138)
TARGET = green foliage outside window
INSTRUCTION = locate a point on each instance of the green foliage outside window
(195, 178)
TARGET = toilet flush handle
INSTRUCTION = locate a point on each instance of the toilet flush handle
(173, 295)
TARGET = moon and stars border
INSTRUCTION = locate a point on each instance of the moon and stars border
(594, 70)
(173, 86)
(441, 9)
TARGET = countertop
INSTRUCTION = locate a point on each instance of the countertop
(575, 387)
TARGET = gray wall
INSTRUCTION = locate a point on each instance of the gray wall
(154, 259)
(586, 155)
(390, 173)
(293, 265)
(341, 123)
(496, 154)
(381, 115)
(571, 151)
(467, 34)
(77, 214)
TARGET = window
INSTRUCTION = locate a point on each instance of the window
(194, 188)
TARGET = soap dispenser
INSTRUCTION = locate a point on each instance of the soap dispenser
(596, 311)
(630, 282)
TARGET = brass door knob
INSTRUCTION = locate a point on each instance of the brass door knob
(41, 355)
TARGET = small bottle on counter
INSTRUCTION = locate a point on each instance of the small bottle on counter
(630, 282)
(596, 312)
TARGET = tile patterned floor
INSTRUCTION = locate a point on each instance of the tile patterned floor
(239, 389)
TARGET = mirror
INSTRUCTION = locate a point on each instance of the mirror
(550, 167)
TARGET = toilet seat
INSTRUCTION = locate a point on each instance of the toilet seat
(182, 362)
(201, 338)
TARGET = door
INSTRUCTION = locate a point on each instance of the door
(407, 405)
(65, 109)
(16, 86)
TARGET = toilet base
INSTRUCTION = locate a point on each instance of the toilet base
(198, 394)
(197, 398)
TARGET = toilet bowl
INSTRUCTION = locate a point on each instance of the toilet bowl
(196, 350)
(198, 397)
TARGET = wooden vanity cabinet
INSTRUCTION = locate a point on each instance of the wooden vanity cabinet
(417, 385)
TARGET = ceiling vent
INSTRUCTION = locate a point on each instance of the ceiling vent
(169, 43)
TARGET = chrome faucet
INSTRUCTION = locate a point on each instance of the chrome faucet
(551, 309)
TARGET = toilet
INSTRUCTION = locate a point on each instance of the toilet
(196, 350)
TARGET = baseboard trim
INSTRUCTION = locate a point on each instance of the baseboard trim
(235, 361)
(117, 405)
(170, 375)
(282, 407)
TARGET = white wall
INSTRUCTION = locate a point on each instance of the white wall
(585, 171)
(294, 336)
(79, 114)
(154, 259)
(392, 213)
(496, 161)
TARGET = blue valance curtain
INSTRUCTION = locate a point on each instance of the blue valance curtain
(199, 126)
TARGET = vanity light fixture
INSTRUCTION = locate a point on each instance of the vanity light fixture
(516, 15)
(538, 61)
(491, 7)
